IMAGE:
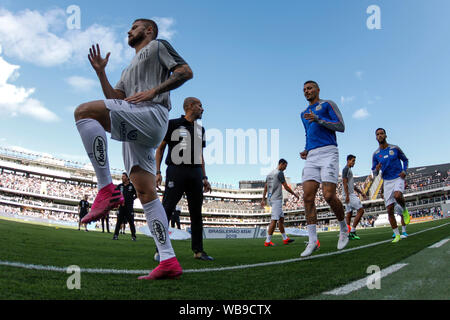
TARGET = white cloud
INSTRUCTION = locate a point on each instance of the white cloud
(164, 27)
(36, 109)
(15, 101)
(82, 83)
(81, 41)
(345, 100)
(27, 36)
(44, 40)
(361, 114)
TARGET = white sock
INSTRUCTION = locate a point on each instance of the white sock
(284, 236)
(343, 226)
(158, 225)
(353, 229)
(95, 143)
(312, 233)
(268, 238)
(397, 233)
(404, 229)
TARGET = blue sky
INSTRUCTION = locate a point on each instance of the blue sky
(250, 60)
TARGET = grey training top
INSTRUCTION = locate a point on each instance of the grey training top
(275, 181)
(150, 67)
(347, 173)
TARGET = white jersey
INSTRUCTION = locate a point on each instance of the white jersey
(150, 67)
(275, 180)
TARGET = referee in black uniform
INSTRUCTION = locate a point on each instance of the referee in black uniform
(83, 209)
(186, 169)
(126, 212)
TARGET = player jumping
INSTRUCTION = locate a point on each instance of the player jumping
(136, 112)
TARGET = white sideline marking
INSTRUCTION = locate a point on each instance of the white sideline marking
(439, 244)
(238, 267)
(62, 269)
(358, 284)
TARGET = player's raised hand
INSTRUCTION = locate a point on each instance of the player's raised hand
(96, 60)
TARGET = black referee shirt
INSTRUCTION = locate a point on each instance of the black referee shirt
(129, 194)
(84, 206)
(186, 141)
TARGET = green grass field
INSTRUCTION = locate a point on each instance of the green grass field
(49, 246)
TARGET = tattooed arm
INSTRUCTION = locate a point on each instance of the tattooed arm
(180, 75)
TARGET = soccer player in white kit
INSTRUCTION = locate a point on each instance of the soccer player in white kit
(136, 112)
(351, 200)
(275, 181)
(321, 120)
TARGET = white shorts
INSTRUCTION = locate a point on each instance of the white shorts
(141, 127)
(354, 203)
(391, 186)
(277, 209)
(322, 165)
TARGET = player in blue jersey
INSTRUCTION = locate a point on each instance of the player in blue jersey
(393, 164)
(321, 120)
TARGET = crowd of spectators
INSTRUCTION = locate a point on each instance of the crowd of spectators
(76, 190)
(36, 185)
(36, 202)
(293, 204)
(418, 180)
(39, 213)
(209, 204)
(436, 212)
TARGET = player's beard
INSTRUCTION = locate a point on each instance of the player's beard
(134, 41)
(312, 97)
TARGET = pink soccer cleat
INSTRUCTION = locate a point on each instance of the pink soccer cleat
(109, 197)
(167, 269)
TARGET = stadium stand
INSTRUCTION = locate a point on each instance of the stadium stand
(50, 188)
